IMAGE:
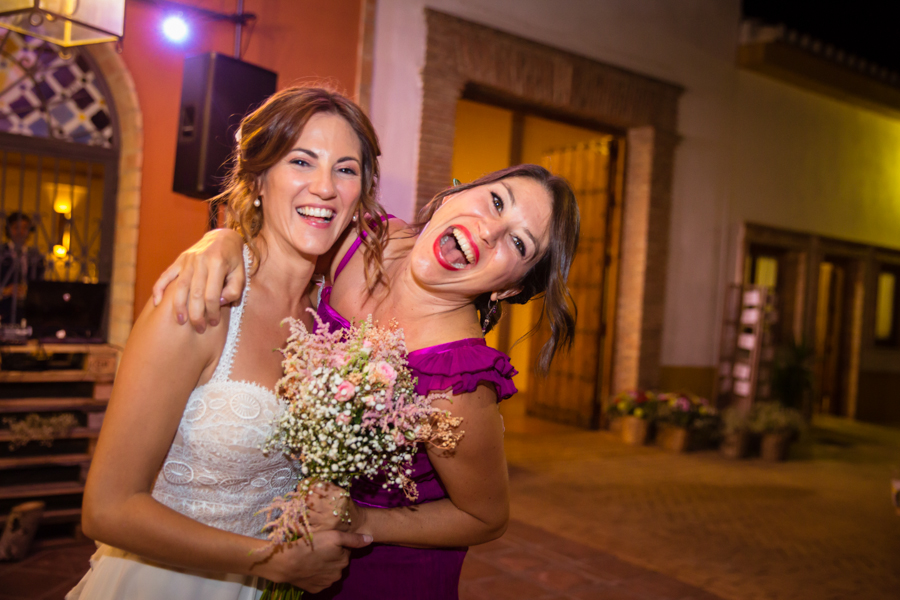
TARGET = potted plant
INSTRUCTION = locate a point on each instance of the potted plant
(792, 377)
(735, 433)
(683, 417)
(777, 425)
(636, 410)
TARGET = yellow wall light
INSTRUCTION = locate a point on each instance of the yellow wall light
(62, 205)
(60, 251)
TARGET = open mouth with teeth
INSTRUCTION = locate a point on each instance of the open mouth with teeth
(455, 249)
(315, 214)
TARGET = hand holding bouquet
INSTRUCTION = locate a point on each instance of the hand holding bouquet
(351, 411)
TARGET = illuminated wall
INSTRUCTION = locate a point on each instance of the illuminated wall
(809, 163)
(301, 40)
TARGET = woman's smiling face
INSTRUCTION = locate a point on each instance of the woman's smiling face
(310, 195)
(484, 239)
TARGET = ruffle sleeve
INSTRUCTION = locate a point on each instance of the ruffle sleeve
(462, 365)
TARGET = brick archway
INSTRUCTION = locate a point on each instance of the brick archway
(460, 53)
(128, 196)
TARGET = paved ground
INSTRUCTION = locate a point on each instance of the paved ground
(595, 519)
(47, 574)
(817, 526)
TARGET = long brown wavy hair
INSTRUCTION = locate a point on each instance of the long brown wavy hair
(549, 275)
(268, 133)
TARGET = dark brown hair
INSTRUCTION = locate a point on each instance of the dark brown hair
(268, 133)
(548, 276)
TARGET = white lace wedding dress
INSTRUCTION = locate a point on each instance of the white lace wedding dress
(214, 473)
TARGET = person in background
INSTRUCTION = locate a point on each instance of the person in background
(19, 265)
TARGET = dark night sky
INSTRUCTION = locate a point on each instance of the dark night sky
(866, 28)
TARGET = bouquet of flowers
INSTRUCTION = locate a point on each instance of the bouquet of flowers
(352, 412)
(686, 410)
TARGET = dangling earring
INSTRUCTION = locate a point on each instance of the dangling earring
(258, 202)
(456, 182)
(492, 307)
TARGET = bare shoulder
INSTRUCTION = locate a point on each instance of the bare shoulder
(395, 225)
(157, 338)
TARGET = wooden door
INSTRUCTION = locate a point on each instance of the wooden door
(829, 322)
(578, 381)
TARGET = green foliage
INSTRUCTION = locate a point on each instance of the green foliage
(792, 377)
(734, 421)
(772, 417)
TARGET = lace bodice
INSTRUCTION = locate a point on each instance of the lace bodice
(215, 471)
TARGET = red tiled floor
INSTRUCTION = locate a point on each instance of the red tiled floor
(22, 584)
(519, 560)
(475, 568)
(511, 588)
(48, 574)
(560, 578)
(608, 592)
(529, 563)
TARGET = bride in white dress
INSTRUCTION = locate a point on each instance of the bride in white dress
(178, 478)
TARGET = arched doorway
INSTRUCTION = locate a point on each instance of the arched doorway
(60, 148)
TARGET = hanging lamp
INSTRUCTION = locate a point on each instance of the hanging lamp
(65, 23)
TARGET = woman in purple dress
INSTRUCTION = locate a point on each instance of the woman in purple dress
(508, 236)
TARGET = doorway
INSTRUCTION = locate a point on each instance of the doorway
(490, 137)
(834, 334)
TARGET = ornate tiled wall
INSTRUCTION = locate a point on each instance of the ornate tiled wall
(45, 92)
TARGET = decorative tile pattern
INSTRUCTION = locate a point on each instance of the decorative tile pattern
(47, 93)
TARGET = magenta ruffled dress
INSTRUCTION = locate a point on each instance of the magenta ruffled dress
(382, 572)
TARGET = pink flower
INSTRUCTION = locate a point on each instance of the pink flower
(382, 372)
(367, 346)
(343, 419)
(369, 401)
(338, 359)
(345, 391)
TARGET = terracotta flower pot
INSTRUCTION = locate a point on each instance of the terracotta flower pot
(774, 446)
(615, 425)
(673, 438)
(735, 444)
(635, 431)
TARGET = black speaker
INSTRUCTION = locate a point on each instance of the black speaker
(216, 92)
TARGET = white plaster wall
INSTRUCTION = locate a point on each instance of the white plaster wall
(690, 43)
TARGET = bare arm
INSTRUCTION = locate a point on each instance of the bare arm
(162, 363)
(476, 480)
(206, 276)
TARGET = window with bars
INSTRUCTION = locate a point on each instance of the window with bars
(58, 168)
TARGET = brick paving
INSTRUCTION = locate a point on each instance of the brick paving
(595, 519)
(47, 574)
(817, 526)
(528, 562)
